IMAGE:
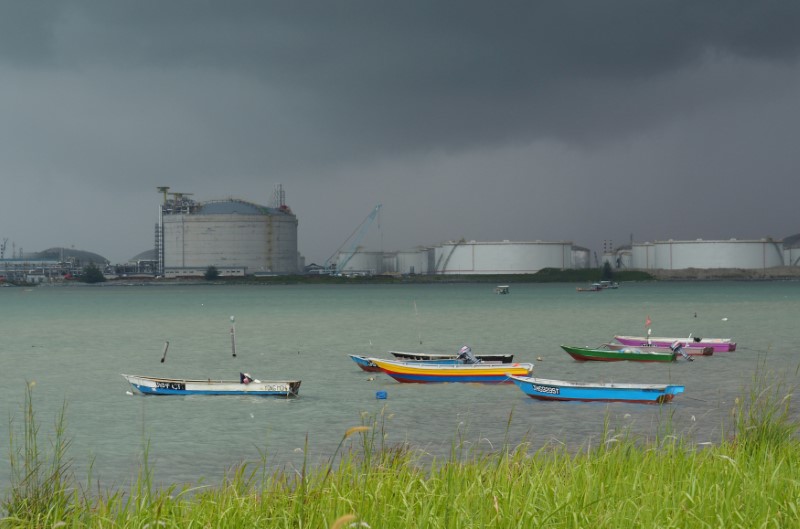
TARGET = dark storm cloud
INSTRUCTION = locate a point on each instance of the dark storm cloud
(363, 78)
(518, 107)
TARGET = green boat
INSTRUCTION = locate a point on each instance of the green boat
(604, 354)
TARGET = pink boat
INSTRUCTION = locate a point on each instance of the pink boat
(719, 345)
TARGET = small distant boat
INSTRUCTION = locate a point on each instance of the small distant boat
(595, 287)
(606, 354)
(481, 372)
(692, 351)
(501, 289)
(547, 389)
(502, 358)
(718, 344)
(182, 386)
(609, 284)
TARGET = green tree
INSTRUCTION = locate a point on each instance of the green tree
(211, 273)
(92, 274)
(607, 274)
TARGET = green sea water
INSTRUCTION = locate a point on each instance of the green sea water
(73, 343)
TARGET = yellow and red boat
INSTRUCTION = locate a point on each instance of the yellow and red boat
(480, 372)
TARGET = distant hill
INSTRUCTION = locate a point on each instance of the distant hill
(57, 254)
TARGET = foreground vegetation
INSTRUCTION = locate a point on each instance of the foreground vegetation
(751, 478)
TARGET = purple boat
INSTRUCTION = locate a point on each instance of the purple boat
(719, 345)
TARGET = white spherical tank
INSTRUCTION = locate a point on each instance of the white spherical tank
(230, 234)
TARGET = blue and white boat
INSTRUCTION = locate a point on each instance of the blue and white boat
(547, 389)
(365, 363)
(246, 385)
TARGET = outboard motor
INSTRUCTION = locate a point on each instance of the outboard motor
(465, 355)
(678, 348)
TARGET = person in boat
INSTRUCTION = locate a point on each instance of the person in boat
(245, 378)
(466, 356)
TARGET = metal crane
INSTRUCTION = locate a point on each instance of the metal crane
(355, 237)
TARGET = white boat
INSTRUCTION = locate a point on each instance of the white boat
(246, 385)
(184, 386)
(719, 345)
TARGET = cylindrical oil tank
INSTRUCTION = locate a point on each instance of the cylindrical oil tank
(581, 257)
(791, 250)
(733, 253)
(504, 257)
(643, 256)
(414, 262)
(230, 234)
(360, 263)
(389, 263)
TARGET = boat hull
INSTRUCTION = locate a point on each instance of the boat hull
(546, 389)
(502, 358)
(693, 351)
(411, 372)
(173, 386)
(631, 354)
(718, 344)
(364, 363)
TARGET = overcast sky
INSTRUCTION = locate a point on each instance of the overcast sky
(586, 121)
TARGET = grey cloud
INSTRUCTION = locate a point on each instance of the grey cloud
(513, 107)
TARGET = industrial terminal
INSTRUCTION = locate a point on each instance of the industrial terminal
(235, 236)
(242, 238)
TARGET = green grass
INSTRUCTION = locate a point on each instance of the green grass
(750, 478)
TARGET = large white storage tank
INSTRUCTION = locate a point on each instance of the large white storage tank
(504, 257)
(227, 234)
(733, 253)
(370, 263)
(643, 256)
(414, 261)
(581, 257)
(791, 250)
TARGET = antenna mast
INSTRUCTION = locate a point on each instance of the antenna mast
(279, 197)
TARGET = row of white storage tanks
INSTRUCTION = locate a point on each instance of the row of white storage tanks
(506, 257)
(699, 253)
(234, 234)
(470, 257)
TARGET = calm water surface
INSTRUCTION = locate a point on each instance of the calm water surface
(74, 342)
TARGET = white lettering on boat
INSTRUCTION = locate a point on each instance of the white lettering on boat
(171, 385)
(546, 389)
(276, 387)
